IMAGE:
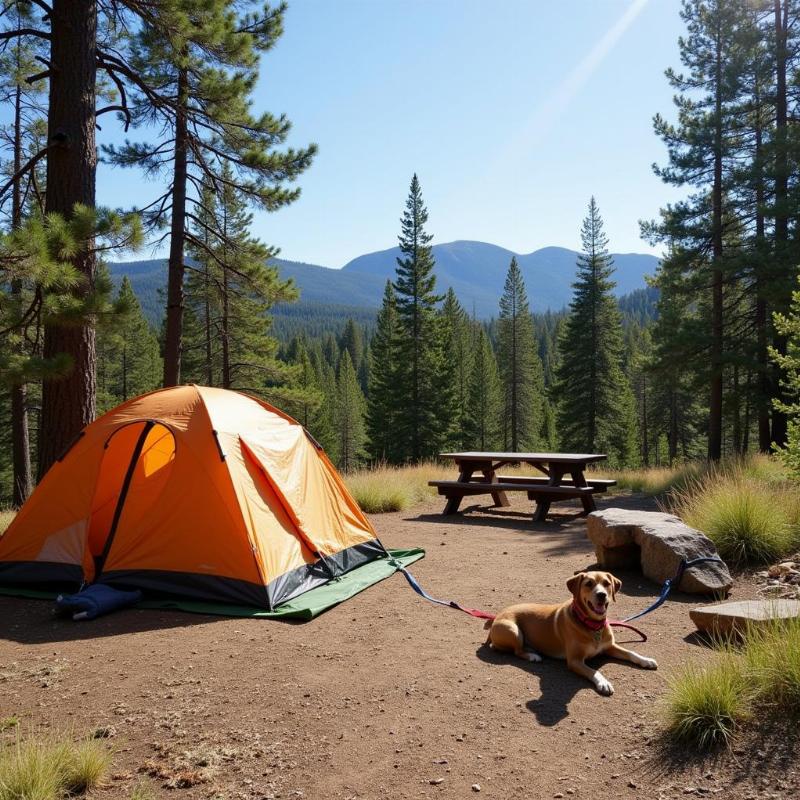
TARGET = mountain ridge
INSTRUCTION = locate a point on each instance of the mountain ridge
(475, 270)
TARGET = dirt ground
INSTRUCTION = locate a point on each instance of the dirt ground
(385, 695)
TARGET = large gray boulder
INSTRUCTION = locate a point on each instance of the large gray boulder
(657, 543)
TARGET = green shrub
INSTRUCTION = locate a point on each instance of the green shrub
(705, 705)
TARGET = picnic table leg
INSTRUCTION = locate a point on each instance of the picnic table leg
(542, 507)
(543, 503)
(578, 479)
(500, 498)
(454, 500)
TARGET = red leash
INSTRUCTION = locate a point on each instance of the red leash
(476, 612)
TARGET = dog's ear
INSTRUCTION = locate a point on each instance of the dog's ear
(616, 585)
(574, 583)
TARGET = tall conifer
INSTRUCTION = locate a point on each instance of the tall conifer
(420, 423)
(382, 395)
(483, 424)
(596, 408)
(458, 357)
(520, 366)
(350, 429)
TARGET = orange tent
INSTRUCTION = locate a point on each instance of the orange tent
(194, 492)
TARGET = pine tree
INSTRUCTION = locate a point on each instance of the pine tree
(382, 395)
(327, 430)
(483, 424)
(196, 78)
(420, 423)
(521, 370)
(83, 55)
(788, 361)
(458, 356)
(230, 295)
(352, 340)
(128, 360)
(596, 411)
(350, 432)
(24, 135)
(700, 156)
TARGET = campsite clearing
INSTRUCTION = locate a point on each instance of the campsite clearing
(383, 696)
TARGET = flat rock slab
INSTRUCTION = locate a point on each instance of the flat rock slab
(737, 616)
(657, 543)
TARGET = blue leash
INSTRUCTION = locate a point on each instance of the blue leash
(412, 581)
(668, 584)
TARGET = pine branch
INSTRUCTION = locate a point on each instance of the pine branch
(27, 167)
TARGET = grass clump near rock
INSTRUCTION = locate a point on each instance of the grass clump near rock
(52, 767)
(706, 705)
(751, 520)
(772, 666)
(752, 683)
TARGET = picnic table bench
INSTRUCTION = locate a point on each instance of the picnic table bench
(563, 479)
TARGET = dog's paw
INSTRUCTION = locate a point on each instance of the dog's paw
(603, 686)
(529, 655)
(648, 663)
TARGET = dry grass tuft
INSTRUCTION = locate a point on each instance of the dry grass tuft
(50, 767)
(6, 515)
(385, 488)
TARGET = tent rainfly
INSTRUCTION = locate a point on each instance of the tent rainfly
(190, 492)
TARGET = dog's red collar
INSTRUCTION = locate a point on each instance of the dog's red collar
(592, 624)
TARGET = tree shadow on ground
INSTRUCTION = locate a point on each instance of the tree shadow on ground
(557, 684)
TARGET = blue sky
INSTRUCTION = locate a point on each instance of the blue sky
(512, 113)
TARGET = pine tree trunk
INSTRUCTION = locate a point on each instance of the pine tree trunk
(176, 268)
(207, 323)
(20, 436)
(124, 371)
(737, 412)
(226, 333)
(673, 428)
(779, 422)
(226, 344)
(761, 311)
(717, 321)
(68, 402)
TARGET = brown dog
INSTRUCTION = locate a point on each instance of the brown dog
(575, 630)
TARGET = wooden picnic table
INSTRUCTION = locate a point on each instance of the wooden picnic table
(562, 478)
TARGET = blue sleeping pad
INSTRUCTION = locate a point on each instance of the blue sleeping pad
(95, 600)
